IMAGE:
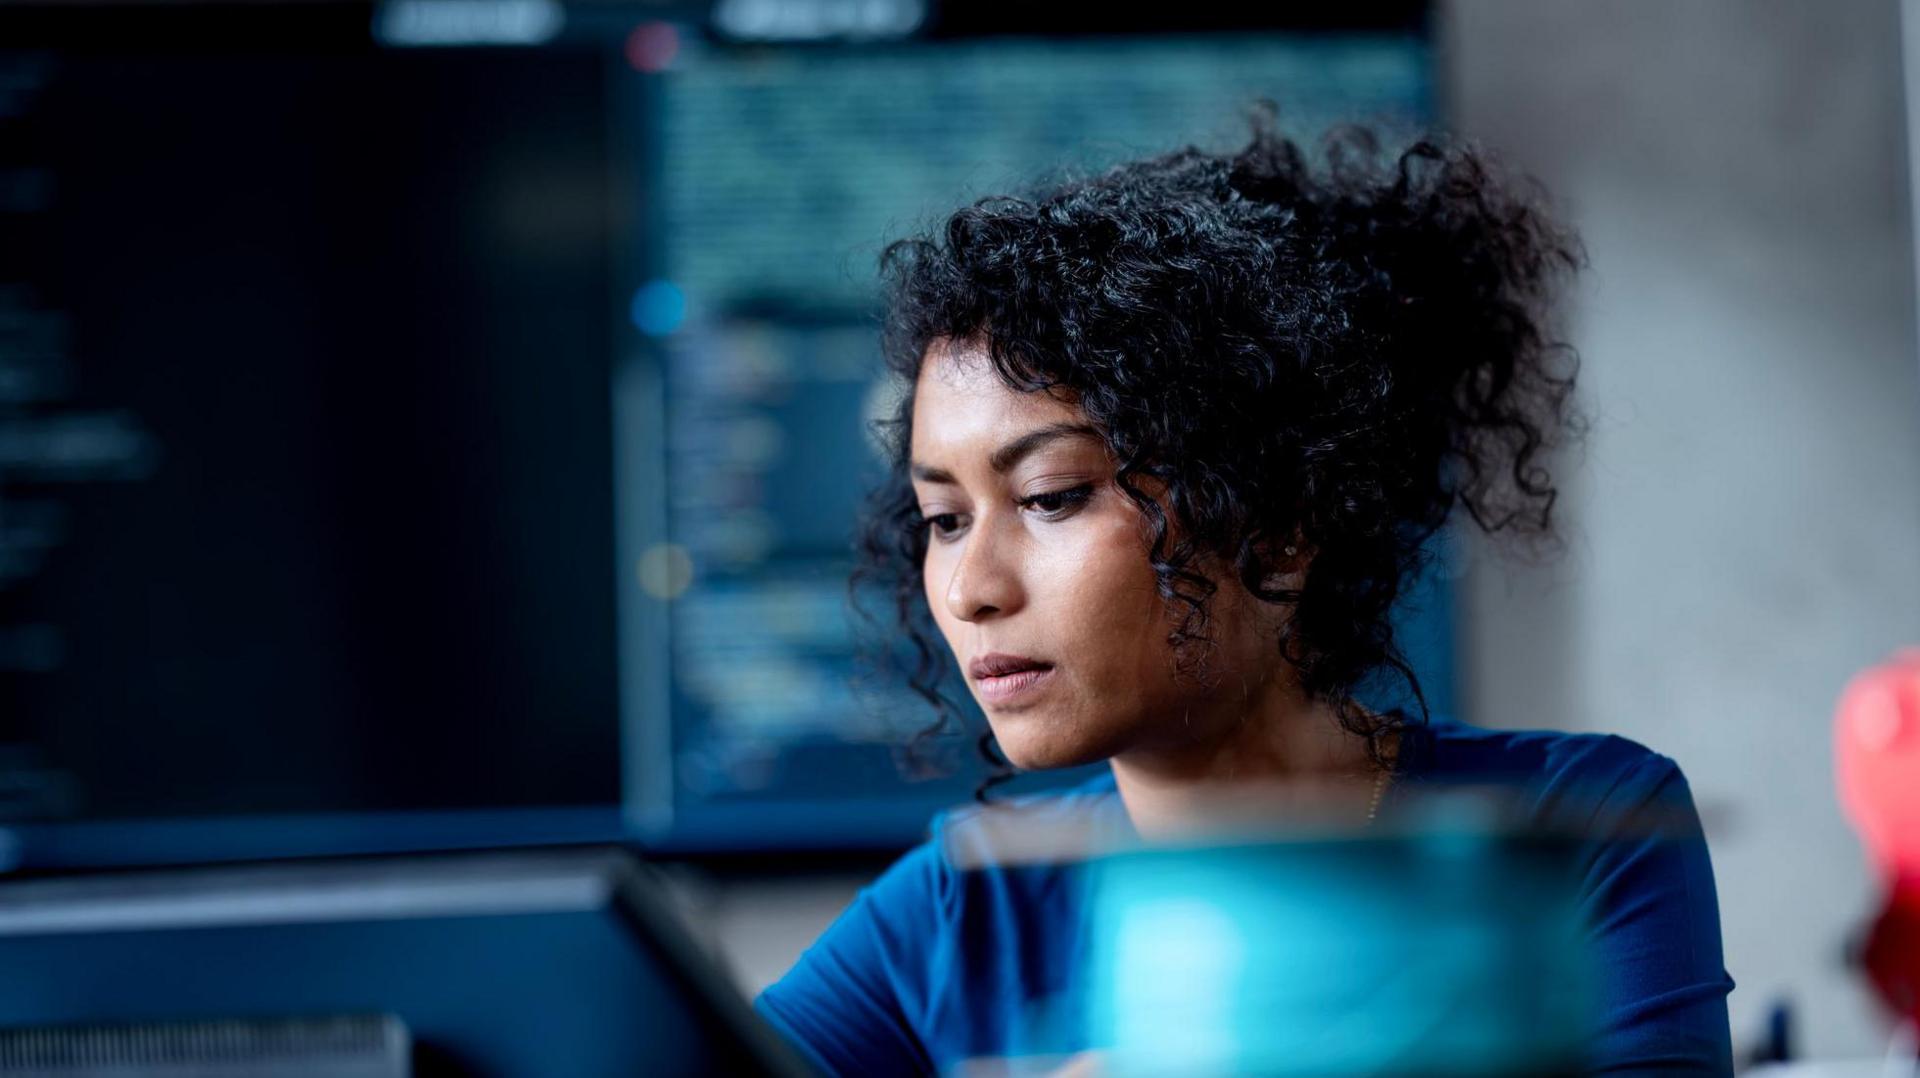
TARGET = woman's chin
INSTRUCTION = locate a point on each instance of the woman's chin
(1033, 751)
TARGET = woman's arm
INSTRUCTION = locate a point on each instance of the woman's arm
(853, 1001)
(1654, 919)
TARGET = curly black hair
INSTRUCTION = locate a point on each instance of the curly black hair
(1326, 354)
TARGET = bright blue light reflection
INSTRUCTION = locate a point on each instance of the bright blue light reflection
(659, 308)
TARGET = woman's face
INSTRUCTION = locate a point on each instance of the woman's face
(1037, 574)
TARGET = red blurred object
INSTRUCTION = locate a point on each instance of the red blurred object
(1891, 953)
(1877, 764)
(1877, 755)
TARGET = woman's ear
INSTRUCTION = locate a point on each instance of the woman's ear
(1286, 567)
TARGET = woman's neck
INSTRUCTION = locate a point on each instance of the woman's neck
(1277, 763)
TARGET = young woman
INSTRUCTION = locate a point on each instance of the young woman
(1176, 438)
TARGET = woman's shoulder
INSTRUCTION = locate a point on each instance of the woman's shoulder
(1459, 746)
(1561, 773)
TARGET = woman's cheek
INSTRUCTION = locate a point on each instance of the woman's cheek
(1113, 570)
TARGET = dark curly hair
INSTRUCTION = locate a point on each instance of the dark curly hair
(1326, 355)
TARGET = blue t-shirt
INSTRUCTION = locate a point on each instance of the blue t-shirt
(933, 963)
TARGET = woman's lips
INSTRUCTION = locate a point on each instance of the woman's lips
(1010, 688)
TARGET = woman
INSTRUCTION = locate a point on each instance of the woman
(1176, 438)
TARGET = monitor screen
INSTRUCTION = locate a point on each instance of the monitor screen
(407, 442)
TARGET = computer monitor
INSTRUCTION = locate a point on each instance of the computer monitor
(407, 444)
(563, 962)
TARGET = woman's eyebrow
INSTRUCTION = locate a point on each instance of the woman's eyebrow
(1005, 457)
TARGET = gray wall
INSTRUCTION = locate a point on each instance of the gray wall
(1744, 519)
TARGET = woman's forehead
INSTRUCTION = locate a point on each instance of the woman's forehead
(962, 405)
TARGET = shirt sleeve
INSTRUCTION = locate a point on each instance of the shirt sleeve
(853, 1000)
(1654, 919)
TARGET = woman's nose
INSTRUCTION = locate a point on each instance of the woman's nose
(985, 582)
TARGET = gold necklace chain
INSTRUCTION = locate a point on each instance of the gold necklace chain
(1380, 784)
(1379, 788)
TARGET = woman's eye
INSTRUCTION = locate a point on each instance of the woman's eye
(943, 524)
(1049, 505)
(1056, 504)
